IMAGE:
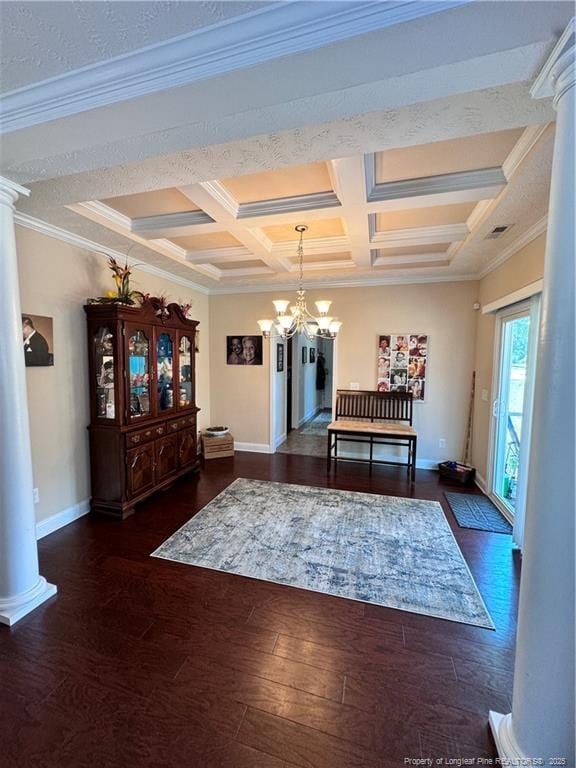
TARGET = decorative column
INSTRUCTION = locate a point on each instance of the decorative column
(541, 724)
(21, 586)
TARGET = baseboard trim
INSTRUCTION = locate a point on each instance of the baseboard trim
(480, 482)
(60, 519)
(253, 447)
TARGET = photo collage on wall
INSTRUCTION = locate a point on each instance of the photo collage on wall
(402, 362)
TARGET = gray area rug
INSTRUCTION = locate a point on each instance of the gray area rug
(318, 425)
(472, 510)
(385, 550)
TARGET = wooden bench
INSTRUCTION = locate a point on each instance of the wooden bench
(373, 418)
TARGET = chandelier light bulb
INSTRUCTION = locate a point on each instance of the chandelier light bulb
(323, 322)
(323, 307)
(334, 327)
(281, 306)
(285, 321)
(266, 327)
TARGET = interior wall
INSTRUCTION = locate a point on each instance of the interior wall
(524, 267)
(442, 310)
(325, 395)
(306, 376)
(278, 382)
(56, 278)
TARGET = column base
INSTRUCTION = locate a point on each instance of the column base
(506, 745)
(12, 609)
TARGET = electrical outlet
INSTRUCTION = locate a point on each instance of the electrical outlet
(354, 385)
(442, 443)
(485, 395)
(36, 495)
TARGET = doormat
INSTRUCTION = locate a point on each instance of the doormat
(472, 510)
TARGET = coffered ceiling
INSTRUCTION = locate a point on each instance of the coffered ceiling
(413, 208)
(198, 151)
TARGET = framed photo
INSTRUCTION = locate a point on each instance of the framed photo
(279, 358)
(312, 354)
(402, 362)
(304, 355)
(243, 350)
(38, 340)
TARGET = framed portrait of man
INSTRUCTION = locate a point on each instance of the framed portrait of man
(37, 340)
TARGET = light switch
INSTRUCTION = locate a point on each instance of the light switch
(354, 385)
(485, 395)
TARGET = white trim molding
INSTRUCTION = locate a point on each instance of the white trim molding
(277, 30)
(60, 519)
(253, 447)
(513, 298)
(537, 229)
(30, 222)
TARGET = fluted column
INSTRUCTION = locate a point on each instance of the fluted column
(21, 586)
(541, 724)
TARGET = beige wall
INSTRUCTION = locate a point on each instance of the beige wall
(55, 280)
(524, 267)
(239, 396)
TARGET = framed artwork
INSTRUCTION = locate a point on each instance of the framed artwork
(402, 363)
(38, 340)
(304, 355)
(312, 354)
(279, 358)
(243, 350)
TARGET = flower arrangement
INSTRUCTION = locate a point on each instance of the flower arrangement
(123, 293)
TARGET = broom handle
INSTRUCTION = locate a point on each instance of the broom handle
(470, 414)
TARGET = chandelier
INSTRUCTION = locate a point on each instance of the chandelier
(300, 320)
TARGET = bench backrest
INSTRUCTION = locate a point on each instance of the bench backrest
(375, 406)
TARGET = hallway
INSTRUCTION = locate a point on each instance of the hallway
(309, 439)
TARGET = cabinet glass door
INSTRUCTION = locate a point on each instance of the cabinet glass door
(139, 374)
(104, 371)
(165, 372)
(185, 372)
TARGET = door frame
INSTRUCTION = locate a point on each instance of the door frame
(532, 305)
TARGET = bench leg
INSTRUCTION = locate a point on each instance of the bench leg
(329, 455)
(371, 451)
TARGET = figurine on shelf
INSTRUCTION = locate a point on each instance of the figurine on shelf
(123, 293)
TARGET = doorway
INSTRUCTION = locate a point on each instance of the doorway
(517, 330)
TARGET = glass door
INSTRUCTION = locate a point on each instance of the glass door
(138, 356)
(512, 408)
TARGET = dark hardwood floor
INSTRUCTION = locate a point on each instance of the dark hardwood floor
(143, 662)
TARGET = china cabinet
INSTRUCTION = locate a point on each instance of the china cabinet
(142, 398)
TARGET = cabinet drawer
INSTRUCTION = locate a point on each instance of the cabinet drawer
(183, 422)
(134, 439)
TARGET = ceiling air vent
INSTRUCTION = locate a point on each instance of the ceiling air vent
(497, 232)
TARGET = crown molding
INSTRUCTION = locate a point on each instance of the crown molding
(535, 231)
(441, 233)
(297, 203)
(282, 29)
(221, 195)
(12, 189)
(30, 222)
(149, 225)
(520, 151)
(381, 260)
(334, 244)
(219, 255)
(362, 282)
(563, 54)
(490, 179)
